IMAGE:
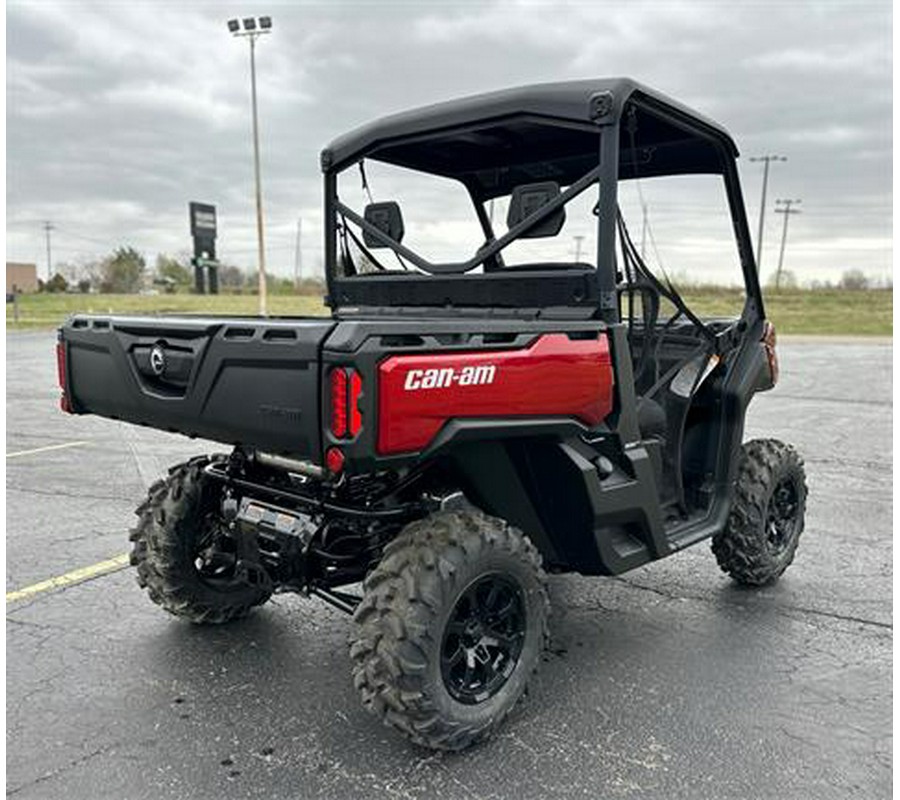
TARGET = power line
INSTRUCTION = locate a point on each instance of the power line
(66, 232)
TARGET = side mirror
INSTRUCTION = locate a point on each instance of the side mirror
(527, 199)
(387, 218)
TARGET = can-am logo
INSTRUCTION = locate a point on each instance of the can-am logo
(441, 378)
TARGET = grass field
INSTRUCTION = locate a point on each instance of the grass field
(796, 311)
(49, 310)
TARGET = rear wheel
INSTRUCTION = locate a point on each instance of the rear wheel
(184, 557)
(767, 514)
(451, 626)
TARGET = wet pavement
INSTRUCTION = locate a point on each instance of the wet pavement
(668, 682)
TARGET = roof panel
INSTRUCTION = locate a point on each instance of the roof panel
(554, 103)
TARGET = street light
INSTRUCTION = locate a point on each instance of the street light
(252, 28)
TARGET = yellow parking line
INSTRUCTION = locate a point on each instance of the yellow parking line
(44, 449)
(70, 578)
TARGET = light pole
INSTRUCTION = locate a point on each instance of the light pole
(767, 159)
(784, 207)
(298, 255)
(48, 226)
(252, 28)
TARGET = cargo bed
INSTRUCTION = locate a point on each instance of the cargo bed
(237, 380)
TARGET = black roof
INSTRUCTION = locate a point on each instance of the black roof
(499, 139)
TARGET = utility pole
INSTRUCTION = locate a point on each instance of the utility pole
(47, 228)
(253, 28)
(784, 207)
(767, 159)
(298, 255)
(578, 240)
(643, 229)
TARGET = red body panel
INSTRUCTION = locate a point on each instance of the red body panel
(554, 376)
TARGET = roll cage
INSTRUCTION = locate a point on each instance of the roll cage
(577, 135)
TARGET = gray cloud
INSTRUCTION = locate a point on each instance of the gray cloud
(119, 113)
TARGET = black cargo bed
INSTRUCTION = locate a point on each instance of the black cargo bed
(238, 380)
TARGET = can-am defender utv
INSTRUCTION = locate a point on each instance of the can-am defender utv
(454, 429)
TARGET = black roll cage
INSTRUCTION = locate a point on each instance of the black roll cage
(606, 113)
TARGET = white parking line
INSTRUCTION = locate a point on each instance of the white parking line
(46, 449)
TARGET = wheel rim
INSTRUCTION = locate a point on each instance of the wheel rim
(483, 638)
(782, 516)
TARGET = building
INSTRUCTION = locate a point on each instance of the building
(21, 276)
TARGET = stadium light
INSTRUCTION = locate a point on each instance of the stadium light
(253, 28)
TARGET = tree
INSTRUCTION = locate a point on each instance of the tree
(788, 280)
(84, 272)
(171, 270)
(56, 284)
(275, 284)
(854, 280)
(123, 271)
(231, 277)
(311, 286)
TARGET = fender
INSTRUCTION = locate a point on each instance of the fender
(554, 376)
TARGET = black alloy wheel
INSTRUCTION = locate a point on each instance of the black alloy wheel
(782, 516)
(768, 507)
(483, 638)
(451, 627)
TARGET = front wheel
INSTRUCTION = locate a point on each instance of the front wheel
(182, 552)
(767, 514)
(452, 625)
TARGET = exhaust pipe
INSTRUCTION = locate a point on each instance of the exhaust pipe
(289, 464)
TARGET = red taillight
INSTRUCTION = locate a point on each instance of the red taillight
(339, 402)
(64, 403)
(346, 418)
(355, 414)
(768, 340)
(61, 364)
(334, 460)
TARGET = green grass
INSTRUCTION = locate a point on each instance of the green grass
(794, 311)
(821, 312)
(38, 311)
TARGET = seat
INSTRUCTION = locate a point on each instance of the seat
(651, 419)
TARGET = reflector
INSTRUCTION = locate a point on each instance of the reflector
(334, 460)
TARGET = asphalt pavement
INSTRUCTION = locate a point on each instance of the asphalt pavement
(668, 682)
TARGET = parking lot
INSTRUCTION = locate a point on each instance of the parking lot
(668, 682)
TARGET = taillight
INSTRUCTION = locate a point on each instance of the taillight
(346, 388)
(64, 403)
(768, 340)
(355, 414)
(339, 402)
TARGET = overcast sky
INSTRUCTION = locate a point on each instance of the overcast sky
(120, 113)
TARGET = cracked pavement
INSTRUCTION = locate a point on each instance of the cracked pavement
(667, 682)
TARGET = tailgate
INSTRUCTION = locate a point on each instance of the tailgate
(241, 381)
